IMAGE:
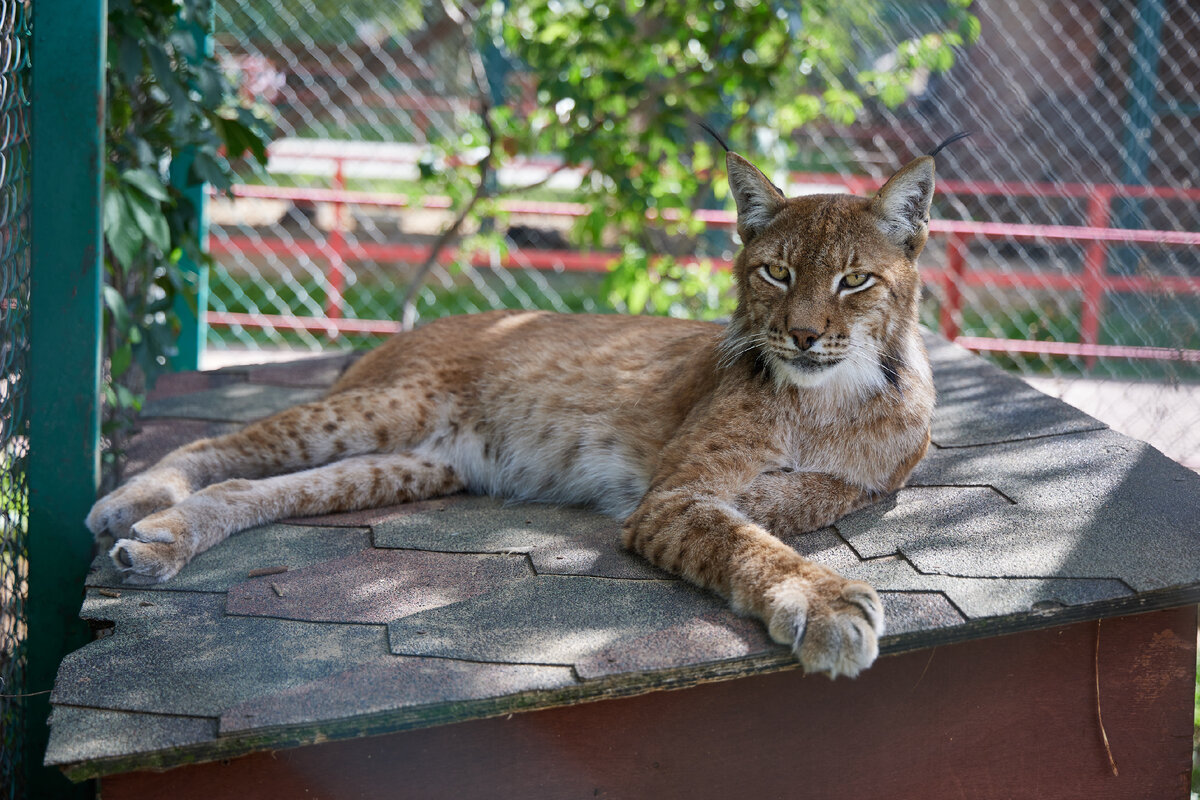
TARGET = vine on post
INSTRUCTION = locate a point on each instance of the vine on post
(168, 104)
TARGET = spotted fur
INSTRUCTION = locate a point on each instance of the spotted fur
(709, 442)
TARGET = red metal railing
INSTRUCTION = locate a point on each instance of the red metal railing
(1092, 282)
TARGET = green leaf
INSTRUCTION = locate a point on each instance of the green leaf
(115, 304)
(112, 212)
(639, 295)
(146, 182)
(129, 59)
(893, 95)
(971, 29)
(211, 169)
(127, 399)
(160, 63)
(121, 358)
(239, 138)
(121, 230)
(210, 84)
(150, 219)
(944, 59)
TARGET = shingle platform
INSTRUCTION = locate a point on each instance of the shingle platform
(1025, 514)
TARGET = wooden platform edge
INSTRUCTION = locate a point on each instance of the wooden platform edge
(993, 718)
(616, 686)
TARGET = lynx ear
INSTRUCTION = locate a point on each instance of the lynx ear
(902, 206)
(758, 200)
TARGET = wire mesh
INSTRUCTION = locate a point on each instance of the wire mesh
(357, 94)
(1088, 113)
(1071, 103)
(14, 350)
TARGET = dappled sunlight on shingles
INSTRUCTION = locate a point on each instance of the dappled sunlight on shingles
(392, 683)
(375, 586)
(562, 619)
(538, 641)
(599, 555)
(1091, 504)
(716, 636)
(176, 653)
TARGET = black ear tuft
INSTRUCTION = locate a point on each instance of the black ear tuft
(758, 200)
(948, 141)
(902, 205)
(714, 134)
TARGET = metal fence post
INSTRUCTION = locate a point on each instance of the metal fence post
(950, 317)
(193, 327)
(1094, 261)
(1142, 105)
(1141, 119)
(336, 279)
(64, 364)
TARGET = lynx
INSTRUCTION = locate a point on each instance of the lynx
(710, 442)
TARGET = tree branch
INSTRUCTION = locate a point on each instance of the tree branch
(408, 305)
(462, 19)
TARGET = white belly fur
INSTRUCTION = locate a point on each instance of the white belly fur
(601, 473)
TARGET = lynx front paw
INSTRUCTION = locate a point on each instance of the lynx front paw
(832, 626)
(115, 514)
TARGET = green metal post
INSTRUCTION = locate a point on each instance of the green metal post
(497, 69)
(194, 329)
(1142, 106)
(64, 464)
(1141, 109)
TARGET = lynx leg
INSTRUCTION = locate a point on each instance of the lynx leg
(790, 503)
(339, 426)
(162, 543)
(832, 624)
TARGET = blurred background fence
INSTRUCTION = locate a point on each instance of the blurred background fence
(1065, 234)
(14, 413)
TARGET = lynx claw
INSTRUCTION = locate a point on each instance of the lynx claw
(836, 632)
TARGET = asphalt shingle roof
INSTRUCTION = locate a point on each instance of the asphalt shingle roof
(1025, 514)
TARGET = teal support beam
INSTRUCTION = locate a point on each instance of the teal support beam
(64, 364)
(497, 68)
(1141, 108)
(1142, 105)
(191, 309)
(193, 332)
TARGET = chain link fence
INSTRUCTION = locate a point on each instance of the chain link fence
(14, 349)
(356, 95)
(1064, 239)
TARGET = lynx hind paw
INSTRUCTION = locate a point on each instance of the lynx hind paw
(834, 630)
(143, 563)
(159, 546)
(115, 513)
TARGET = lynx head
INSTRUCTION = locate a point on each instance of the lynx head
(827, 284)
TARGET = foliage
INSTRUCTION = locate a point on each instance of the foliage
(668, 287)
(617, 87)
(172, 122)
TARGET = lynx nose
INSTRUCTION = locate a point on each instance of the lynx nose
(804, 337)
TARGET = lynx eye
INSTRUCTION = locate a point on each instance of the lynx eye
(854, 280)
(778, 272)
